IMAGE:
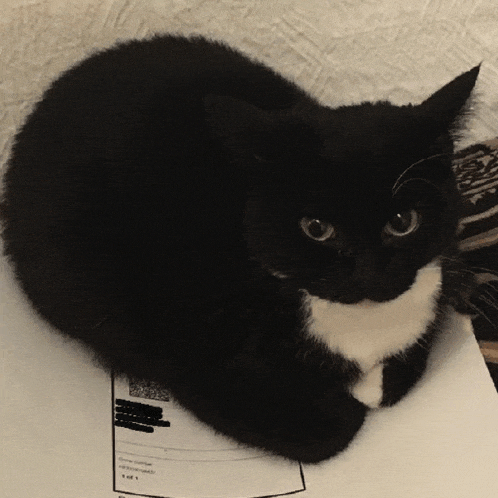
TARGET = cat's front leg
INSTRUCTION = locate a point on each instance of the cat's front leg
(402, 371)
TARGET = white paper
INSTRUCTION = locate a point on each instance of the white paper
(165, 452)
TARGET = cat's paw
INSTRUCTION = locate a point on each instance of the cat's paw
(325, 431)
(368, 389)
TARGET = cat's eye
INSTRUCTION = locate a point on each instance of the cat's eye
(403, 224)
(317, 229)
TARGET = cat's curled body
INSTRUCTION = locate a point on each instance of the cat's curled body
(200, 221)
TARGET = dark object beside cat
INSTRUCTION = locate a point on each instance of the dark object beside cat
(476, 171)
(199, 221)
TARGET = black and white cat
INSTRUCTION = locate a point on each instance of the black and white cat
(199, 221)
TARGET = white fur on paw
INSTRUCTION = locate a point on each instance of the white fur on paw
(368, 389)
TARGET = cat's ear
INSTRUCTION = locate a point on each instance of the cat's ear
(444, 111)
(241, 126)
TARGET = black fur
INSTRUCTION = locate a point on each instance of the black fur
(153, 198)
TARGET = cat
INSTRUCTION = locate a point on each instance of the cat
(198, 220)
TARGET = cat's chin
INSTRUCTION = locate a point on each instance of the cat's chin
(362, 302)
(356, 301)
(366, 303)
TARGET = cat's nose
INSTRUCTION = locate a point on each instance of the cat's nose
(365, 266)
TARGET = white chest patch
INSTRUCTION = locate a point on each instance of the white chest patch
(369, 332)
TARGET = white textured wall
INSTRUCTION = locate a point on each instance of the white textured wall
(341, 50)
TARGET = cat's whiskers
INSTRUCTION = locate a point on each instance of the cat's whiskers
(481, 313)
(412, 180)
(397, 185)
(491, 285)
(486, 270)
(489, 299)
(481, 274)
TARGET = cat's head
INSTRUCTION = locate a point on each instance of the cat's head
(348, 203)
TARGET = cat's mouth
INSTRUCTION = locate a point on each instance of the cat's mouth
(363, 294)
(362, 297)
